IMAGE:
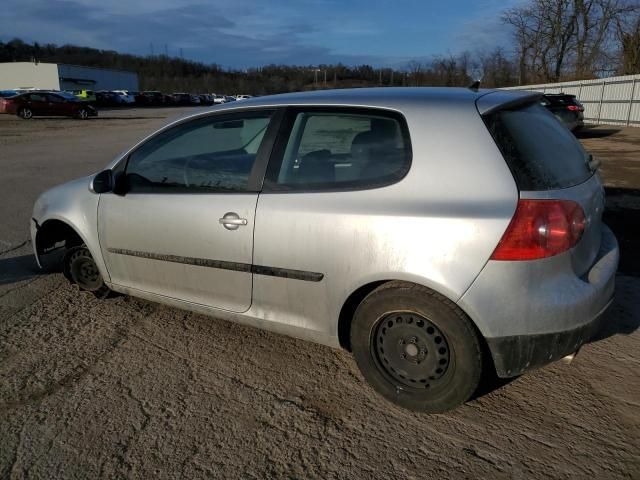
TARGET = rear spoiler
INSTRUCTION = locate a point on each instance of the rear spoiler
(505, 100)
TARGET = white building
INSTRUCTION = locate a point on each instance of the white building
(53, 76)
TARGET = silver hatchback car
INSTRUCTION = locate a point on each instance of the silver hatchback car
(438, 234)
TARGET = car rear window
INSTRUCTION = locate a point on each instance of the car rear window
(541, 153)
(561, 99)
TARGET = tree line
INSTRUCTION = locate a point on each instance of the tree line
(553, 40)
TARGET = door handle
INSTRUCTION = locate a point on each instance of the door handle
(231, 221)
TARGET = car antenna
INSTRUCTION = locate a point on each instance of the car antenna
(474, 86)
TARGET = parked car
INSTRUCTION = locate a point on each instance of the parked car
(438, 234)
(242, 97)
(229, 98)
(181, 99)
(151, 98)
(40, 103)
(206, 99)
(217, 98)
(125, 97)
(194, 99)
(7, 93)
(87, 96)
(566, 108)
(106, 98)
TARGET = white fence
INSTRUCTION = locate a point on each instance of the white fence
(610, 101)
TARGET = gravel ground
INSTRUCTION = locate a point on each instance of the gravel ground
(128, 388)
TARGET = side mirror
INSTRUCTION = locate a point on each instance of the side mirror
(102, 182)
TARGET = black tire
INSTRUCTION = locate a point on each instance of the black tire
(440, 371)
(80, 268)
(83, 114)
(25, 113)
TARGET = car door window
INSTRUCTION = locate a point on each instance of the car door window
(330, 150)
(55, 99)
(211, 154)
(37, 97)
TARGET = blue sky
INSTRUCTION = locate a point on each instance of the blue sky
(244, 33)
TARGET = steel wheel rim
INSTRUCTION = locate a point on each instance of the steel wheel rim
(83, 114)
(410, 351)
(26, 113)
(84, 272)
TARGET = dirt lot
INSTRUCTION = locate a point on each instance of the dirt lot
(127, 388)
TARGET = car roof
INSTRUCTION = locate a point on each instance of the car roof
(396, 98)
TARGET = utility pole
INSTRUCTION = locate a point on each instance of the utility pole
(391, 82)
(380, 77)
(325, 79)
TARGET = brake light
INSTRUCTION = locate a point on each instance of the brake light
(541, 229)
(575, 108)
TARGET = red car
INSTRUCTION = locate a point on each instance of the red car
(30, 104)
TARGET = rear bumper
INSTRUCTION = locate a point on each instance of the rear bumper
(542, 311)
(516, 354)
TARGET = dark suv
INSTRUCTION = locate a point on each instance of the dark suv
(566, 108)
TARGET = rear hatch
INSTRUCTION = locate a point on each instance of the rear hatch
(547, 162)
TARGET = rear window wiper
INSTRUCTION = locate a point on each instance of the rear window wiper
(593, 163)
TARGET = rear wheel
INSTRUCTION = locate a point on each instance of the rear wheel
(81, 269)
(25, 113)
(416, 348)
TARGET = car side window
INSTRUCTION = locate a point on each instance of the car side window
(55, 99)
(340, 150)
(37, 97)
(211, 154)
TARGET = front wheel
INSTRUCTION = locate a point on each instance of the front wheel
(83, 114)
(80, 268)
(416, 348)
(25, 113)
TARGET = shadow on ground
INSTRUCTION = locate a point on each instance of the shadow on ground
(622, 215)
(24, 267)
(596, 132)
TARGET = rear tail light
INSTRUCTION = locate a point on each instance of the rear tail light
(575, 108)
(540, 229)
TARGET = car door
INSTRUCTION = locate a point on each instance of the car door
(58, 105)
(38, 103)
(323, 221)
(182, 226)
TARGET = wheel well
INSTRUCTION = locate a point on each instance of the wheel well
(53, 232)
(348, 311)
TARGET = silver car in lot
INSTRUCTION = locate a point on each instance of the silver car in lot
(438, 234)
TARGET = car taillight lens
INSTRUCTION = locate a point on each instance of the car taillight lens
(575, 108)
(540, 229)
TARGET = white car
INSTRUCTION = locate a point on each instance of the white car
(125, 96)
(243, 97)
(218, 99)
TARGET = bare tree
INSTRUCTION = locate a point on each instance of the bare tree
(595, 30)
(497, 69)
(566, 38)
(544, 31)
(628, 34)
